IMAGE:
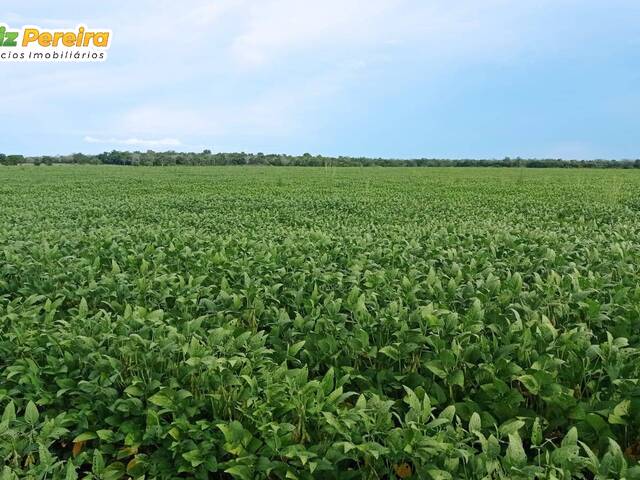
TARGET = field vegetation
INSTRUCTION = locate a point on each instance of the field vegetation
(375, 323)
(207, 158)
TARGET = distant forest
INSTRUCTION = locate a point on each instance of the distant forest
(206, 158)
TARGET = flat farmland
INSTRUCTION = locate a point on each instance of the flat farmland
(293, 322)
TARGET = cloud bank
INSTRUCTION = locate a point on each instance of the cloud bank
(370, 77)
(135, 142)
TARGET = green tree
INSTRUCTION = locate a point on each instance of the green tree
(14, 159)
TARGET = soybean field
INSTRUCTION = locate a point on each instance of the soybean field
(333, 323)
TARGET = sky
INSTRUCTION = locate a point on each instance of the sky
(376, 78)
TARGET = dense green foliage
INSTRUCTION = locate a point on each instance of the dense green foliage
(206, 158)
(319, 323)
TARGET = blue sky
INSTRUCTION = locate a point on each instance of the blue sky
(390, 78)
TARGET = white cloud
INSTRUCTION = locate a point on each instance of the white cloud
(160, 118)
(264, 116)
(17, 20)
(279, 111)
(572, 150)
(436, 31)
(228, 69)
(162, 142)
(278, 27)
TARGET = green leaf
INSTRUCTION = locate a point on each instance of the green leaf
(114, 471)
(390, 351)
(327, 381)
(516, 455)
(97, 465)
(475, 423)
(564, 455)
(436, 474)
(7, 474)
(448, 413)
(193, 456)
(9, 414)
(457, 378)
(240, 471)
(619, 411)
(161, 400)
(290, 475)
(115, 268)
(83, 308)
(70, 472)
(156, 315)
(571, 438)
(134, 391)
(233, 432)
(105, 435)
(530, 382)
(335, 396)
(412, 399)
(493, 447)
(434, 367)
(31, 414)
(536, 433)
(511, 426)
(86, 436)
(295, 348)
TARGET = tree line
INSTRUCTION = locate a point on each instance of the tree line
(207, 158)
